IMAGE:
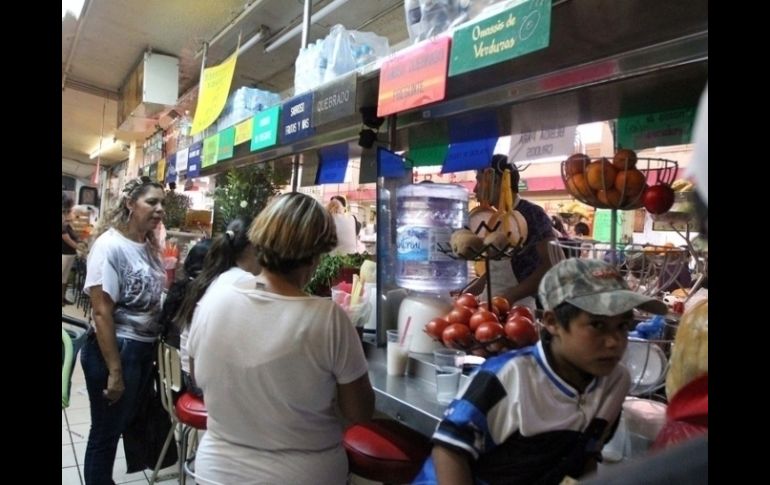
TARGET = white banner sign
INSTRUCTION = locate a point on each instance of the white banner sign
(181, 160)
(545, 143)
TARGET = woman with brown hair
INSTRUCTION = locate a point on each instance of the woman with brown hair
(277, 365)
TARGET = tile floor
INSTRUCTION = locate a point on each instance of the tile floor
(75, 424)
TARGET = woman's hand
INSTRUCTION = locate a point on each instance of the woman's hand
(476, 286)
(115, 387)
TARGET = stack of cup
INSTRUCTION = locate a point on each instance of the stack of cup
(449, 366)
(398, 353)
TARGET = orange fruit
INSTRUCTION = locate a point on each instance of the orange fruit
(624, 159)
(578, 187)
(576, 163)
(601, 174)
(610, 197)
(630, 183)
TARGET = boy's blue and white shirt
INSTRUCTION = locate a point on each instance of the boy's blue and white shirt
(519, 422)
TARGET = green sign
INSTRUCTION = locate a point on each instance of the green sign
(656, 129)
(226, 142)
(209, 156)
(624, 224)
(523, 185)
(512, 33)
(264, 131)
(428, 144)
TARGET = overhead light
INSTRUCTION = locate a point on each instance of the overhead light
(107, 143)
(316, 17)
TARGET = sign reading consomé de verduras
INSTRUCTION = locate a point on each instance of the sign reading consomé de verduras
(511, 33)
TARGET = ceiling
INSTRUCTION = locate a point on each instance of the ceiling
(106, 43)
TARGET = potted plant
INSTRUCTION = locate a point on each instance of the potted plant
(332, 269)
(176, 206)
(243, 192)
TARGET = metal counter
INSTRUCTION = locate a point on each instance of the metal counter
(409, 399)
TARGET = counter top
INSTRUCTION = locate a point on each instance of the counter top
(409, 399)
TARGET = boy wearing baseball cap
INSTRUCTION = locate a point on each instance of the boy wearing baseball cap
(541, 413)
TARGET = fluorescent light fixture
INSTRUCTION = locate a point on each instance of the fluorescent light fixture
(72, 6)
(316, 17)
(108, 143)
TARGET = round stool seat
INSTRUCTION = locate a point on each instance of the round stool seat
(385, 451)
(191, 410)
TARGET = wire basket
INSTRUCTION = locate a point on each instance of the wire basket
(647, 362)
(615, 183)
(647, 269)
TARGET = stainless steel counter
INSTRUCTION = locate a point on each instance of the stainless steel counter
(410, 399)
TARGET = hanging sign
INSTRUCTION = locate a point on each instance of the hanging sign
(414, 78)
(181, 159)
(152, 171)
(333, 163)
(226, 141)
(212, 95)
(171, 169)
(296, 118)
(161, 170)
(656, 129)
(512, 33)
(194, 160)
(428, 144)
(335, 100)
(472, 141)
(243, 131)
(265, 128)
(547, 142)
(389, 164)
(210, 146)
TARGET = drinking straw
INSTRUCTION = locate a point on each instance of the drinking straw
(406, 330)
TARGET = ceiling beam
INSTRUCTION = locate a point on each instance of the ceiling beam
(74, 44)
(88, 88)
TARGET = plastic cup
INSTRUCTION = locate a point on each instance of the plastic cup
(398, 353)
(449, 366)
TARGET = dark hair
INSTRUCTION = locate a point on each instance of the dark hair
(341, 199)
(500, 164)
(558, 224)
(223, 254)
(564, 313)
(66, 202)
(193, 263)
(582, 229)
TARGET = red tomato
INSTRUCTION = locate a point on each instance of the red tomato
(480, 317)
(460, 314)
(436, 327)
(658, 199)
(521, 331)
(485, 306)
(456, 336)
(521, 310)
(501, 303)
(489, 331)
(467, 299)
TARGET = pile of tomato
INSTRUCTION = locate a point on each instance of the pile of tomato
(473, 326)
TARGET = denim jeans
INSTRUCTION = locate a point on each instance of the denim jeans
(109, 421)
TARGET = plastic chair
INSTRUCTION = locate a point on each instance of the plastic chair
(72, 340)
(385, 451)
(170, 373)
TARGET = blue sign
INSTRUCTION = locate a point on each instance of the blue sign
(296, 118)
(171, 168)
(332, 164)
(472, 141)
(389, 164)
(194, 160)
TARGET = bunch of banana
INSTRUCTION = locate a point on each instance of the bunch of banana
(575, 207)
(682, 185)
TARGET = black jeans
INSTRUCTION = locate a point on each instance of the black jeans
(109, 421)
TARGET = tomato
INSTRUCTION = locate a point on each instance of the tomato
(467, 299)
(436, 327)
(501, 303)
(460, 314)
(521, 331)
(489, 331)
(485, 306)
(480, 317)
(521, 310)
(658, 198)
(456, 336)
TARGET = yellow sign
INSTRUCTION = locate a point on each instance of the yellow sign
(161, 170)
(212, 95)
(243, 131)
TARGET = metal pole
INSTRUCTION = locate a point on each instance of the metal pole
(295, 171)
(305, 24)
(613, 236)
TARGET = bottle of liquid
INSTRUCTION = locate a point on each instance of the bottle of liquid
(413, 19)
(427, 215)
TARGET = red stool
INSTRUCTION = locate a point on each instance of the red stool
(385, 451)
(191, 412)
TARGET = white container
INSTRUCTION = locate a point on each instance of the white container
(428, 214)
(397, 354)
(418, 309)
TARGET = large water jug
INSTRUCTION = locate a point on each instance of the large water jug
(427, 215)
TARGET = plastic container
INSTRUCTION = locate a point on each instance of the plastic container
(416, 310)
(427, 215)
